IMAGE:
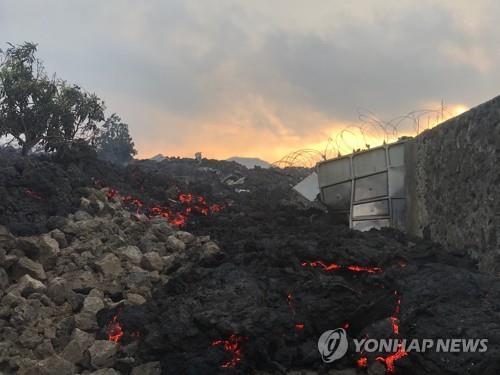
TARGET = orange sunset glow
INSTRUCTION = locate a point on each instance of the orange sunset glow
(264, 79)
(224, 140)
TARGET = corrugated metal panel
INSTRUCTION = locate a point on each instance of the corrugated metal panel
(338, 197)
(371, 187)
(369, 162)
(377, 208)
(397, 155)
(397, 182)
(308, 187)
(334, 171)
(399, 213)
(364, 225)
(378, 180)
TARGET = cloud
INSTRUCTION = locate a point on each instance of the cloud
(261, 78)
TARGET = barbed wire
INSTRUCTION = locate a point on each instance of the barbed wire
(370, 131)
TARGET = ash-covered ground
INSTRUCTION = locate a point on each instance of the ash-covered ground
(246, 285)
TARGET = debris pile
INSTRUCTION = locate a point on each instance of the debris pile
(111, 283)
(62, 293)
(287, 275)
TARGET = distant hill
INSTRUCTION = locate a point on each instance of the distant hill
(250, 162)
(158, 157)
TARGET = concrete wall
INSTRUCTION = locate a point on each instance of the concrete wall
(454, 186)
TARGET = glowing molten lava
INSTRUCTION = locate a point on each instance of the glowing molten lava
(231, 345)
(33, 194)
(362, 362)
(134, 202)
(114, 330)
(395, 316)
(335, 267)
(192, 203)
(178, 216)
(299, 326)
(389, 360)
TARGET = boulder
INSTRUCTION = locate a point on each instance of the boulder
(75, 350)
(48, 251)
(6, 238)
(151, 368)
(44, 349)
(9, 260)
(81, 215)
(51, 366)
(93, 304)
(30, 338)
(25, 313)
(3, 253)
(4, 279)
(103, 353)
(29, 246)
(130, 253)
(135, 299)
(109, 265)
(161, 228)
(185, 237)
(138, 280)
(57, 290)
(174, 244)
(106, 371)
(376, 368)
(25, 266)
(28, 285)
(211, 254)
(60, 237)
(152, 261)
(86, 320)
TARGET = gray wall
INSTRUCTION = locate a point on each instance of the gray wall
(454, 186)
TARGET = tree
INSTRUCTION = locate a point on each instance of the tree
(36, 110)
(75, 120)
(114, 142)
(26, 96)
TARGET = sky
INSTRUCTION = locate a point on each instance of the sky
(263, 78)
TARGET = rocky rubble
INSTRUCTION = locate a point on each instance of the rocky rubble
(93, 286)
(54, 285)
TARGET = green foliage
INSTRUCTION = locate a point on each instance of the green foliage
(75, 118)
(114, 142)
(50, 113)
(26, 96)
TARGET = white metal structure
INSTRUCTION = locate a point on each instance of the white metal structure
(367, 186)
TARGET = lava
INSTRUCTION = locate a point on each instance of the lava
(362, 362)
(335, 267)
(114, 330)
(33, 194)
(216, 207)
(111, 194)
(389, 360)
(194, 203)
(133, 201)
(395, 316)
(231, 345)
(189, 203)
